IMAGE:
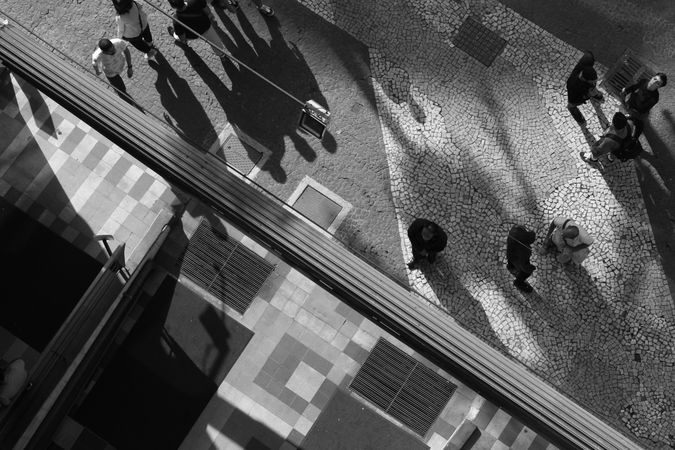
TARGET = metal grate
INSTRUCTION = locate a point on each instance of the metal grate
(403, 387)
(239, 154)
(479, 42)
(625, 72)
(225, 268)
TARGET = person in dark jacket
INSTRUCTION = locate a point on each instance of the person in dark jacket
(640, 97)
(197, 16)
(518, 252)
(581, 86)
(427, 240)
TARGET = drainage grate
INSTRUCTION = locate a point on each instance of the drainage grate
(239, 155)
(225, 268)
(403, 387)
(479, 42)
(625, 72)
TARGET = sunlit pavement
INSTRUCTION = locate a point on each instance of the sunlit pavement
(478, 149)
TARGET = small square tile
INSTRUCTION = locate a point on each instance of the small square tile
(511, 431)
(317, 362)
(299, 404)
(305, 381)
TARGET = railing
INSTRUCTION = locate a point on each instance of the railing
(351, 278)
(62, 352)
(60, 374)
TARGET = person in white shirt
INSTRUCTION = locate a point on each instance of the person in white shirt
(112, 57)
(568, 239)
(133, 26)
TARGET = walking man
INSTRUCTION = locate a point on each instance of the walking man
(568, 239)
(112, 56)
(427, 240)
(194, 14)
(581, 87)
(518, 251)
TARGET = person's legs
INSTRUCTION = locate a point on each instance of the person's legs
(139, 43)
(211, 36)
(147, 35)
(121, 89)
(574, 110)
(520, 282)
(118, 83)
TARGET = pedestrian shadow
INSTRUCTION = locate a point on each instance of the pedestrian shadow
(39, 108)
(457, 301)
(184, 112)
(254, 105)
(567, 305)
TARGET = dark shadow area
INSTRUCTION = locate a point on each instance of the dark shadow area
(45, 274)
(346, 423)
(38, 108)
(186, 112)
(458, 301)
(657, 179)
(252, 104)
(165, 372)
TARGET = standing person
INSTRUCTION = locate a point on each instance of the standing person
(616, 138)
(570, 240)
(518, 252)
(640, 97)
(112, 55)
(133, 26)
(581, 87)
(427, 240)
(194, 14)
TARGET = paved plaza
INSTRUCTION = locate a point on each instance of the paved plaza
(423, 129)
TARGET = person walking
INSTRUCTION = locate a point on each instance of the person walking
(194, 14)
(568, 239)
(112, 56)
(581, 87)
(133, 26)
(427, 240)
(640, 97)
(518, 251)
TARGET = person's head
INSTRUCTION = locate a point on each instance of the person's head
(589, 75)
(122, 6)
(619, 121)
(177, 4)
(570, 232)
(106, 46)
(429, 231)
(657, 81)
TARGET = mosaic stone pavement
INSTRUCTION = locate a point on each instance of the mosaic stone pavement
(478, 149)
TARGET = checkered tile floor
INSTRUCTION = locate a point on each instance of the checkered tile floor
(69, 177)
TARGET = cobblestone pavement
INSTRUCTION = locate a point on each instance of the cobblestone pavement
(480, 148)
(477, 149)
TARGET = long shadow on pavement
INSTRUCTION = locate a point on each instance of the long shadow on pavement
(182, 105)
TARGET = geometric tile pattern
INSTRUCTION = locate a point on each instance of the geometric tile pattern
(70, 178)
(479, 42)
(403, 387)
